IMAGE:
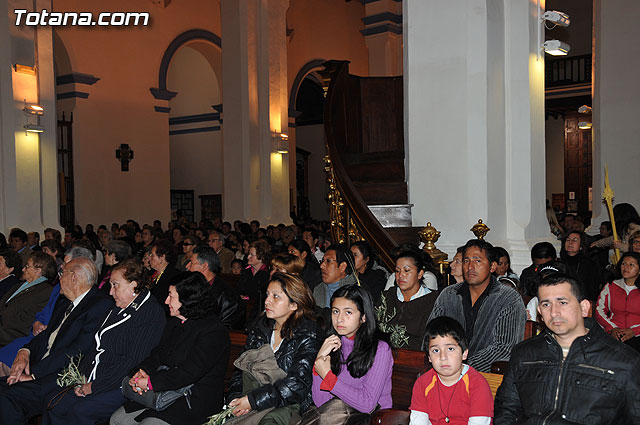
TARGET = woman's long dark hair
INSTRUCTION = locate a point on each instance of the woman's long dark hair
(302, 246)
(298, 293)
(625, 214)
(366, 339)
(633, 255)
(194, 295)
(367, 252)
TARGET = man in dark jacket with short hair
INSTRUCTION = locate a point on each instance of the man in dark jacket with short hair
(230, 308)
(573, 373)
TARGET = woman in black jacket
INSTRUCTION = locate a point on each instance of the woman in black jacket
(311, 274)
(131, 329)
(195, 347)
(372, 278)
(581, 267)
(288, 326)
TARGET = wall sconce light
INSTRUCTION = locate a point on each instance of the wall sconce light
(24, 69)
(281, 142)
(556, 47)
(584, 109)
(584, 125)
(557, 18)
(33, 128)
(32, 109)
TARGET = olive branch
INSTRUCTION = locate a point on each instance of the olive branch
(397, 333)
(71, 376)
(220, 418)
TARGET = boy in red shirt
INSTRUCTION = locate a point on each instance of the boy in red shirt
(452, 392)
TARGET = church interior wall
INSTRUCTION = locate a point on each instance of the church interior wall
(311, 139)
(195, 153)
(616, 105)
(120, 108)
(328, 29)
(554, 156)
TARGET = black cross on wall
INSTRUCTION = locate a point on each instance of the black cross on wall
(124, 154)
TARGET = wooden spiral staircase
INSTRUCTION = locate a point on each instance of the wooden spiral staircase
(364, 132)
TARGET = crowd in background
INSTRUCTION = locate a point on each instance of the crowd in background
(289, 287)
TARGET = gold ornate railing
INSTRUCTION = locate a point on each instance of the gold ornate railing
(351, 219)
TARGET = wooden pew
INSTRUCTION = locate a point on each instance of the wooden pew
(407, 366)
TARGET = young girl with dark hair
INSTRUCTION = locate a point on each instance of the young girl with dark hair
(352, 373)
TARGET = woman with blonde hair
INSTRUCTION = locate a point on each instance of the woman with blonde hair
(286, 263)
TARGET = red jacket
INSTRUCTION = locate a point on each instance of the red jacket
(616, 309)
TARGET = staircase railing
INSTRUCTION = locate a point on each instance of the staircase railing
(351, 219)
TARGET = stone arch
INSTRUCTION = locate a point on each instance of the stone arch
(307, 68)
(206, 42)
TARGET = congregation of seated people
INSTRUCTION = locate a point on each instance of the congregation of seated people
(134, 325)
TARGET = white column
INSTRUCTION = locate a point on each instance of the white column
(256, 180)
(385, 54)
(615, 104)
(28, 177)
(474, 121)
(383, 35)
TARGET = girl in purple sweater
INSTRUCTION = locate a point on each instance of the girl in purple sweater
(352, 373)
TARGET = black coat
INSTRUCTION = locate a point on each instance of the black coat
(598, 382)
(374, 280)
(295, 356)
(8, 283)
(229, 307)
(160, 289)
(587, 272)
(311, 274)
(124, 338)
(74, 337)
(197, 351)
(255, 287)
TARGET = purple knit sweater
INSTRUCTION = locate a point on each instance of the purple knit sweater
(363, 394)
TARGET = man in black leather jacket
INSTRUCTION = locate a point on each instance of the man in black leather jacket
(229, 306)
(573, 373)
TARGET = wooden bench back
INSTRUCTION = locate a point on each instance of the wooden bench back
(408, 365)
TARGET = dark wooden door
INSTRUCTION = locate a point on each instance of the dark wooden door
(578, 174)
(64, 142)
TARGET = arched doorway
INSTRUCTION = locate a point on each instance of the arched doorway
(194, 133)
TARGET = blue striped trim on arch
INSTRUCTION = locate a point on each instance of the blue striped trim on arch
(194, 130)
(72, 94)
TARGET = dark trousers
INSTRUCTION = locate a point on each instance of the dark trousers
(23, 400)
(89, 410)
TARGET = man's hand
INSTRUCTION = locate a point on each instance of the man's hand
(38, 327)
(83, 390)
(20, 366)
(625, 334)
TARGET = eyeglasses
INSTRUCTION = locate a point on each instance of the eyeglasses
(62, 271)
(573, 240)
(188, 244)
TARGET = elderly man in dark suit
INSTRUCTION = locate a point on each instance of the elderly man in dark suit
(74, 321)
